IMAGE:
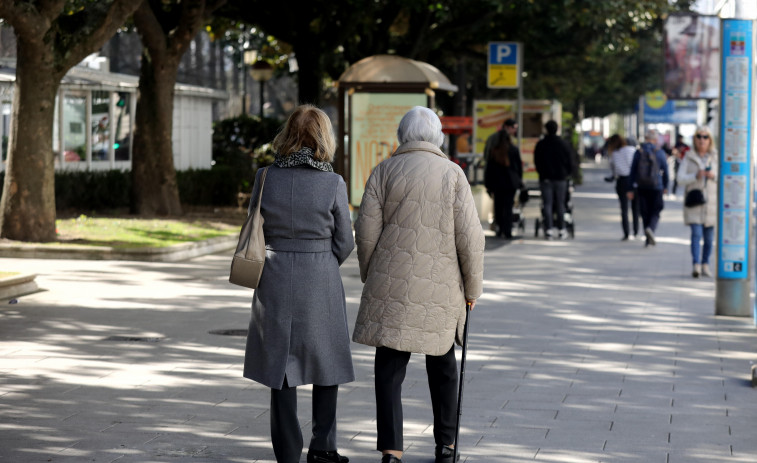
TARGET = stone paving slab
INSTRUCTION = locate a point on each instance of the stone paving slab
(586, 350)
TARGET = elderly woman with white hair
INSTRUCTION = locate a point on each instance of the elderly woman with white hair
(420, 249)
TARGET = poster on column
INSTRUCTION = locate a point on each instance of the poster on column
(375, 118)
(735, 145)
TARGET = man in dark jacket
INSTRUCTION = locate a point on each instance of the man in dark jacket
(651, 192)
(553, 159)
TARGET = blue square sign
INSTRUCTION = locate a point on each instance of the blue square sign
(503, 53)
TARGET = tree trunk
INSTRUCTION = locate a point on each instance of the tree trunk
(155, 190)
(27, 208)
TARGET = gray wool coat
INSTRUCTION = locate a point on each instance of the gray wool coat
(298, 327)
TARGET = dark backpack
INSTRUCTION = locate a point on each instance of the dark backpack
(648, 169)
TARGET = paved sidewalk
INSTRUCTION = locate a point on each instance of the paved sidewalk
(585, 350)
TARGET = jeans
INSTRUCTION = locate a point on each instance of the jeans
(699, 231)
(622, 187)
(553, 193)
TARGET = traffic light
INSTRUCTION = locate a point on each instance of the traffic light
(713, 110)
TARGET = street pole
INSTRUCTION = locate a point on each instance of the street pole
(262, 99)
(735, 249)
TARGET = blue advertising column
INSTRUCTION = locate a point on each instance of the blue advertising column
(732, 293)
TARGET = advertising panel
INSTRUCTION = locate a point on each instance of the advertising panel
(692, 56)
(734, 173)
(373, 134)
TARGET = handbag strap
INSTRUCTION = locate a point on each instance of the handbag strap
(260, 192)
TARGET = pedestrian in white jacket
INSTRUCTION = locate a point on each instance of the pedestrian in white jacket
(699, 172)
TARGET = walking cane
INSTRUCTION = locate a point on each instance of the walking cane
(462, 381)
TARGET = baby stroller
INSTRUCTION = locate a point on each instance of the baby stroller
(519, 219)
(540, 223)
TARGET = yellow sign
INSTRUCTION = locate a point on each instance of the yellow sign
(503, 75)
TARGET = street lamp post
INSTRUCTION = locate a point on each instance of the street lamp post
(248, 59)
(261, 72)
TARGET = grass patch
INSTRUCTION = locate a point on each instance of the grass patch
(7, 274)
(138, 233)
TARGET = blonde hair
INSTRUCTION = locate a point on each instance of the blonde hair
(309, 127)
(706, 130)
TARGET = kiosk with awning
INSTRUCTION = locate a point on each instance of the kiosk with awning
(374, 94)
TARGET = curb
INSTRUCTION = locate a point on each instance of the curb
(173, 253)
(17, 285)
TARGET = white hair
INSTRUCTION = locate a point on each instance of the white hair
(420, 124)
(651, 136)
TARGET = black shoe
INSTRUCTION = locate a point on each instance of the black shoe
(326, 456)
(389, 458)
(444, 454)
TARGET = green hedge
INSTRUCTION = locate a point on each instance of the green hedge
(239, 148)
(101, 191)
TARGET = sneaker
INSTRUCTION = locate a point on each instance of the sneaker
(389, 458)
(650, 236)
(563, 235)
(696, 271)
(625, 238)
(444, 454)
(549, 234)
(326, 456)
(706, 270)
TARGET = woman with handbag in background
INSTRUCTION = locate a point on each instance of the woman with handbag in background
(698, 173)
(298, 330)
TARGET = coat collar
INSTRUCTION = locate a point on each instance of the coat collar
(700, 161)
(411, 146)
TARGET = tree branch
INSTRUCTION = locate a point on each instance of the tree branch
(82, 41)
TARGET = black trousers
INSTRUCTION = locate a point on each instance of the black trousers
(390, 368)
(650, 204)
(622, 187)
(503, 211)
(286, 435)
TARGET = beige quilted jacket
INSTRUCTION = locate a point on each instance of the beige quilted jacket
(421, 252)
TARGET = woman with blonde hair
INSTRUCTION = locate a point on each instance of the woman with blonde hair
(698, 173)
(298, 329)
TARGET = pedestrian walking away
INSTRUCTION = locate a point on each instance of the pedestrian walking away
(299, 337)
(418, 273)
(698, 174)
(503, 176)
(649, 178)
(553, 159)
(621, 158)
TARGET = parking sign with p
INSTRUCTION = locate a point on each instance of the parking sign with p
(504, 65)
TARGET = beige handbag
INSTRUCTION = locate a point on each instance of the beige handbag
(247, 264)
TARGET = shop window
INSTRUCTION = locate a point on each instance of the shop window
(122, 118)
(74, 134)
(100, 129)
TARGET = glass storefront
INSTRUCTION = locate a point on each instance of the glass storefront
(74, 123)
(100, 125)
(122, 118)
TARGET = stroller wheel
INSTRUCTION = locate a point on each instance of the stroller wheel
(537, 225)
